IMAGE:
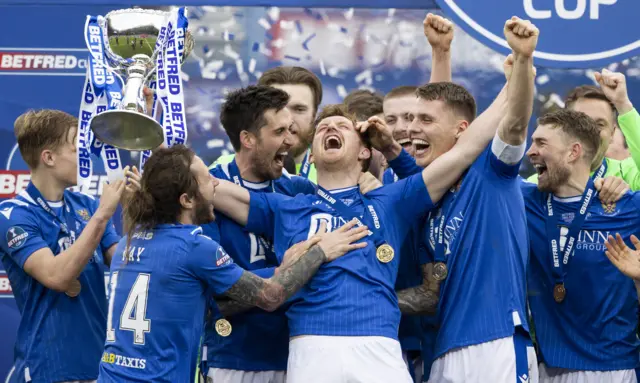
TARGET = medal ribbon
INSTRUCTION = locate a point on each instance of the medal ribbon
(559, 267)
(305, 166)
(69, 217)
(436, 240)
(375, 230)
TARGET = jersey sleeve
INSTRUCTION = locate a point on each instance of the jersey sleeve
(263, 208)
(630, 125)
(404, 165)
(21, 235)
(302, 185)
(213, 266)
(503, 159)
(628, 171)
(408, 199)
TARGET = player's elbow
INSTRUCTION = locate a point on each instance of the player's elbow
(56, 283)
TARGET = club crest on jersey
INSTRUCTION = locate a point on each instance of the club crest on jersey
(84, 214)
(609, 208)
(16, 237)
(222, 258)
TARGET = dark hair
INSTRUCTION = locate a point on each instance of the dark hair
(453, 95)
(576, 125)
(244, 109)
(589, 92)
(341, 110)
(401, 91)
(39, 130)
(294, 75)
(363, 103)
(167, 175)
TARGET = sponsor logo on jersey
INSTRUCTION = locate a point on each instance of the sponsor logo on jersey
(124, 361)
(16, 237)
(222, 258)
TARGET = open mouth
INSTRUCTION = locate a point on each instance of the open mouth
(421, 146)
(279, 158)
(540, 168)
(332, 142)
(405, 143)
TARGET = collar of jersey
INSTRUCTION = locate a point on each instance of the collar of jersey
(342, 190)
(567, 199)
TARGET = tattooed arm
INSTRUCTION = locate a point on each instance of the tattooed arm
(298, 266)
(423, 299)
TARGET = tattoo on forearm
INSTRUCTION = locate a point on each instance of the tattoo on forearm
(232, 307)
(418, 301)
(271, 293)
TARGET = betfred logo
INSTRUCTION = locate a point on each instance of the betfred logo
(5, 286)
(12, 182)
(60, 61)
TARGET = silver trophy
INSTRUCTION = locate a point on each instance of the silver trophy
(131, 36)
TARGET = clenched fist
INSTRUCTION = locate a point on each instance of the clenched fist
(522, 36)
(439, 32)
(614, 86)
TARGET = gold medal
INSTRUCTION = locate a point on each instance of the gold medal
(440, 271)
(385, 253)
(223, 327)
(74, 289)
(559, 292)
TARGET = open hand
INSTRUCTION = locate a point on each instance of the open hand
(625, 259)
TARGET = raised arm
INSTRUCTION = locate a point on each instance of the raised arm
(439, 33)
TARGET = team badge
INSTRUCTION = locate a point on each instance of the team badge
(16, 237)
(609, 208)
(84, 214)
(385, 253)
(223, 327)
(222, 258)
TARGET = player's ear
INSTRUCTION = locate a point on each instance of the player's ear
(462, 126)
(575, 152)
(47, 158)
(365, 154)
(186, 202)
(248, 139)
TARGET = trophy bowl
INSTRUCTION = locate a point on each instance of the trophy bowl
(130, 51)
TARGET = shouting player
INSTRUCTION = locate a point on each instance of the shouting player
(584, 310)
(54, 248)
(481, 338)
(255, 346)
(164, 271)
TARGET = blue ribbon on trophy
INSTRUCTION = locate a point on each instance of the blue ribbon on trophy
(134, 48)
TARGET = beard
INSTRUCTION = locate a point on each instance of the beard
(203, 212)
(554, 177)
(264, 167)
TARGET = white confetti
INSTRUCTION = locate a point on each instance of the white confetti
(229, 23)
(230, 52)
(184, 76)
(322, 69)
(274, 13)
(333, 71)
(252, 65)
(215, 143)
(287, 25)
(613, 67)
(554, 99)
(207, 114)
(239, 66)
(542, 79)
(222, 75)
(264, 23)
(348, 14)
(342, 92)
(365, 76)
(258, 74)
(206, 125)
(279, 43)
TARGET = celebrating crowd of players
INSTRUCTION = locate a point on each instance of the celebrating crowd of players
(401, 245)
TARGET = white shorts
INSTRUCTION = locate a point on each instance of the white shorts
(415, 366)
(222, 375)
(562, 375)
(346, 359)
(493, 362)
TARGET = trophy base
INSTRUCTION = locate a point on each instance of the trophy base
(126, 129)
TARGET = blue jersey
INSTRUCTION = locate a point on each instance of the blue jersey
(484, 295)
(59, 338)
(412, 257)
(594, 327)
(259, 340)
(158, 291)
(353, 295)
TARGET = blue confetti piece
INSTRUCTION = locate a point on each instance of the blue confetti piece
(318, 17)
(205, 49)
(268, 35)
(405, 44)
(294, 58)
(238, 14)
(201, 90)
(298, 26)
(306, 42)
(343, 29)
(256, 47)
(308, 11)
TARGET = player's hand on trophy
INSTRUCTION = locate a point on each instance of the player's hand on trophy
(298, 250)
(368, 182)
(339, 242)
(624, 258)
(111, 195)
(611, 189)
(132, 183)
(148, 99)
(522, 36)
(439, 32)
(614, 86)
